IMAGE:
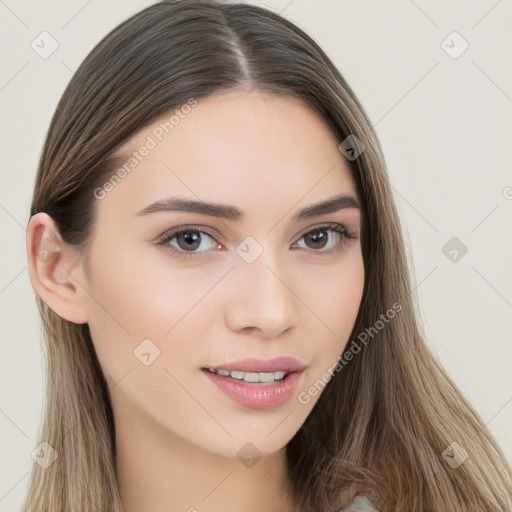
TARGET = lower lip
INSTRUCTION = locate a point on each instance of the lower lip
(257, 396)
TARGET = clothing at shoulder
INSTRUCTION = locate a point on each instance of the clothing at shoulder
(359, 503)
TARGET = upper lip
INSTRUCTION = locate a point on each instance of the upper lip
(287, 364)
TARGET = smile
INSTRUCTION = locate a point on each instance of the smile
(245, 390)
(252, 377)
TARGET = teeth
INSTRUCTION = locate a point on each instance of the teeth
(251, 376)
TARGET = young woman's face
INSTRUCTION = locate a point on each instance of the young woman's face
(257, 283)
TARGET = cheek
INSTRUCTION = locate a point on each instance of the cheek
(333, 294)
(132, 299)
(143, 313)
(336, 299)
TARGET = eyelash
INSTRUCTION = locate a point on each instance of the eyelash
(168, 236)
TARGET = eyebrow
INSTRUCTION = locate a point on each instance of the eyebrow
(233, 213)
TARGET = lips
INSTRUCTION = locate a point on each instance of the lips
(288, 364)
(259, 395)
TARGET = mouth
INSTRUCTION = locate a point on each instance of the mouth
(257, 378)
(257, 383)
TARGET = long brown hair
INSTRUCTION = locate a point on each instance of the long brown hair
(385, 419)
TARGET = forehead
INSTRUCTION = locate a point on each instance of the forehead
(235, 148)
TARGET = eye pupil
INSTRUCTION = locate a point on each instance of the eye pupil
(189, 237)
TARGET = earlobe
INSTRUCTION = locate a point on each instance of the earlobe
(51, 263)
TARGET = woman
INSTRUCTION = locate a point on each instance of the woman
(276, 363)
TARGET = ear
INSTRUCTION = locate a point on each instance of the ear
(51, 263)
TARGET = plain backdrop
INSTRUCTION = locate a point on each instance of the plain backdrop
(444, 121)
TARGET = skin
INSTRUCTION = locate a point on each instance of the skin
(177, 435)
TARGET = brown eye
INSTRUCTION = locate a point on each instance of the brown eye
(188, 240)
(326, 239)
(185, 241)
(318, 238)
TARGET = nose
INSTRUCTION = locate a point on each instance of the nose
(261, 298)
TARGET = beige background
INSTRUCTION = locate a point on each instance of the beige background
(445, 126)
